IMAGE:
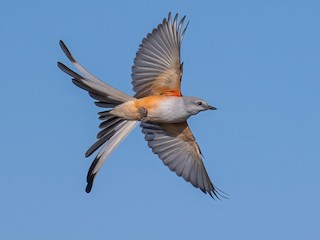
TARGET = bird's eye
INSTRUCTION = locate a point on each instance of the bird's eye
(199, 103)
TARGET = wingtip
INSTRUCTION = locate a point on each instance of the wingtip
(169, 16)
(184, 30)
(176, 16)
(222, 193)
(215, 193)
(218, 194)
(183, 18)
(212, 195)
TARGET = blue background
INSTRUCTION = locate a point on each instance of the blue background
(257, 61)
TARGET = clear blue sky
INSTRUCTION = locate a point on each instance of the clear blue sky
(257, 61)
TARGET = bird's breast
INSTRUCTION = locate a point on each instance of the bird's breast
(164, 109)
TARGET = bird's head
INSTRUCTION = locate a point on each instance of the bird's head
(195, 105)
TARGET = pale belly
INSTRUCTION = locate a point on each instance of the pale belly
(170, 110)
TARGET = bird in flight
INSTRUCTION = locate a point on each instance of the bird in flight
(158, 105)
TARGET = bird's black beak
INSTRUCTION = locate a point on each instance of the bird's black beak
(212, 107)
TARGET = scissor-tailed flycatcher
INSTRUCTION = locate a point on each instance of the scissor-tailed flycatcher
(158, 105)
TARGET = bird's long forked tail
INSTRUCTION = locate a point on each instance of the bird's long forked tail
(113, 129)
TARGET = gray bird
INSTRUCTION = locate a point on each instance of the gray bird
(157, 104)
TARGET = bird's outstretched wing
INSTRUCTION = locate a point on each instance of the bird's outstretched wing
(176, 146)
(157, 69)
